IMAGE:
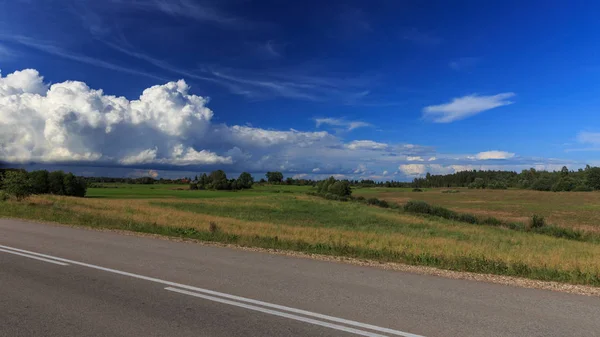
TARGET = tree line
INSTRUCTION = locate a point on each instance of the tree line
(586, 179)
(21, 184)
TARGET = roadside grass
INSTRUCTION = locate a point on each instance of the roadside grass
(576, 210)
(313, 225)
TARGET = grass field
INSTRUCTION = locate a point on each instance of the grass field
(578, 210)
(284, 217)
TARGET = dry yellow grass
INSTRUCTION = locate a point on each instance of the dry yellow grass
(491, 243)
(578, 210)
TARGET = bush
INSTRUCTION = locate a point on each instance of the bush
(417, 190)
(492, 221)
(497, 185)
(537, 221)
(213, 227)
(542, 184)
(378, 202)
(414, 206)
(360, 198)
(4, 196)
(564, 184)
(469, 218)
(582, 188)
(341, 188)
(450, 191)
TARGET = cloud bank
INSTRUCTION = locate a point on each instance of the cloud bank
(167, 127)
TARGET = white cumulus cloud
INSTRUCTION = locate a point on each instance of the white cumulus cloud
(366, 145)
(493, 155)
(466, 106)
(413, 169)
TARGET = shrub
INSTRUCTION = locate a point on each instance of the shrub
(537, 221)
(542, 184)
(478, 183)
(341, 188)
(450, 191)
(492, 221)
(444, 213)
(360, 198)
(564, 184)
(497, 185)
(469, 218)
(213, 227)
(193, 187)
(414, 206)
(4, 196)
(417, 190)
(378, 202)
(582, 188)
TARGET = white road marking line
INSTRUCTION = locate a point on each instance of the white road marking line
(232, 297)
(33, 257)
(278, 313)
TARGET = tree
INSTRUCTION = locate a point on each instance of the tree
(274, 177)
(245, 180)
(39, 182)
(203, 182)
(341, 188)
(593, 177)
(564, 171)
(56, 182)
(565, 183)
(323, 186)
(218, 180)
(479, 183)
(17, 184)
(74, 186)
(543, 183)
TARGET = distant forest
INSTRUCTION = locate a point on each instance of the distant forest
(587, 179)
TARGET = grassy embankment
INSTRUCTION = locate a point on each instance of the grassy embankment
(292, 220)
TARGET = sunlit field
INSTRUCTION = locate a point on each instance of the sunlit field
(579, 210)
(285, 217)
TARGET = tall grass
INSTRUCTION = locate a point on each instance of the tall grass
(537, 223)
(404, 238)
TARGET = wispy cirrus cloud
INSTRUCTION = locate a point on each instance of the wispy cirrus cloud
(5, 53)
(466, 106)
(52, 49)
(341, 122)
(198, 11)
(590, 141)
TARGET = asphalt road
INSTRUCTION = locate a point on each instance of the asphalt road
(90, 283)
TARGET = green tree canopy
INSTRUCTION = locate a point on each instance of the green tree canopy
(17, 184)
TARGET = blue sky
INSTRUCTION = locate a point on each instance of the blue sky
(371, 89)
